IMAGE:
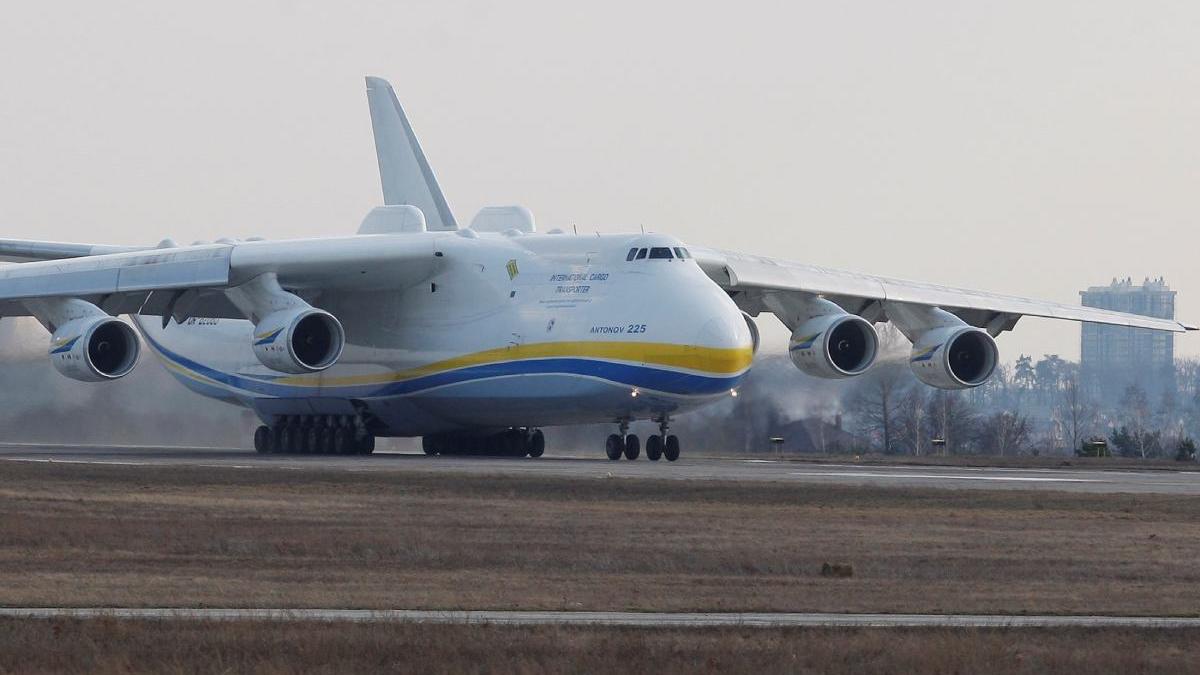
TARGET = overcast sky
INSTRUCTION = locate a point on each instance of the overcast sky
(1032, 148)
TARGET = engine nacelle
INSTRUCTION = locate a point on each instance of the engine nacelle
(94, 349)
(954, 357)
(298, 340)
(755, 338)
(834, 346)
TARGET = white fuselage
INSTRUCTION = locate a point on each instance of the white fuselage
(529, 330)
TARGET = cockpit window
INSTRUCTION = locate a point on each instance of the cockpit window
(682, 253)
(632, 252)
(641, 253)
(660, 253)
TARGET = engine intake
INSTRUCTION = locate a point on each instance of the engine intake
(834, 346)
(298, 340)
(94, 349)
(954, 357)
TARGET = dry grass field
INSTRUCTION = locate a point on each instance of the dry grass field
(110, 646)
(88, 535)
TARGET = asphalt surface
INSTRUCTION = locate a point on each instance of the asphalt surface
(749, 470)
(641, 619)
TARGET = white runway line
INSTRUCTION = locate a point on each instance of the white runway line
(944, 476)
(644, 619)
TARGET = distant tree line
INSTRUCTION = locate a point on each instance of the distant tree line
(1030, 407)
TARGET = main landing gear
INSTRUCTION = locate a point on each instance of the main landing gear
(627, 445)
(511, 443)
(315, 435)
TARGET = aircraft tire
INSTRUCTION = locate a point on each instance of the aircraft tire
(632, 447)
(262, 439)
(514, 444)
(613, 447)
(671, 450)
(654, 448)
(341, 440)
(366, 445)
(537, 444)
(285, 439)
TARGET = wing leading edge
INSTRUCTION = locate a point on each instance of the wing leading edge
(23, 250)
(749, 277)
(152, 281)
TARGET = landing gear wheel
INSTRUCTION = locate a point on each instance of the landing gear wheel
(287, 441)
(262, 439)
(537, 444)
(671, 451)
(366, 445)
(654, 448)
(341, 440)
(613, 447)
(514, 444)
(633, 448)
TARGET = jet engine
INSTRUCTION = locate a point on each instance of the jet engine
(954, 357)
(755, 338)
(298, 340)
(834, 346)
(94, 349)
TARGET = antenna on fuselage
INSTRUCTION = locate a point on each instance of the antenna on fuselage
(576, 228)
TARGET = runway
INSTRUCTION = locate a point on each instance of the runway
(693, 469)
(631, 619)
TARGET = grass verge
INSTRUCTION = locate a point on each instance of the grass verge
(115, 646)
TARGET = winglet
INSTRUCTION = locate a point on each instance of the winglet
(403, 169)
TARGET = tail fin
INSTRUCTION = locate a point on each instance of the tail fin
(403, 169)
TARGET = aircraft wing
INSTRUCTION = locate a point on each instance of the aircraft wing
(748, 277)
(153, 281)
(22, 250)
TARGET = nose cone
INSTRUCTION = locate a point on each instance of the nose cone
(727, 340)
(725, 332)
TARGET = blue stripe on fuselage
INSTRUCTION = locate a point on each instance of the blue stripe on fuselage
(656, 379)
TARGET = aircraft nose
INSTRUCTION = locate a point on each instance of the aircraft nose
(726, 330)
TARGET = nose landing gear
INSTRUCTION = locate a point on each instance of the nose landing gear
(668, 442)
(624, 444)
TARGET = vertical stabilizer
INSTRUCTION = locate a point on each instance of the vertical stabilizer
(403, 169)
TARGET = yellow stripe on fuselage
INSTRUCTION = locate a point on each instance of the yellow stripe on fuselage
(710, 360)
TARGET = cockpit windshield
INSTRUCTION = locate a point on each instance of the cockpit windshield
(658, 253)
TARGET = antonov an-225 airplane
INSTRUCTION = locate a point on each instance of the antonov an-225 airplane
(476, 338)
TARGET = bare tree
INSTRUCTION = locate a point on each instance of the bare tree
(953, 419)
(1004, 433)
(912, 418)
(873, 403)
(1136, 409)
(1077, 413)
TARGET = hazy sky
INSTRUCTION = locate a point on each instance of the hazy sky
(1031, 148)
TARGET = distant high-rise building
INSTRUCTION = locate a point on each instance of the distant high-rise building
(1114, 357)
